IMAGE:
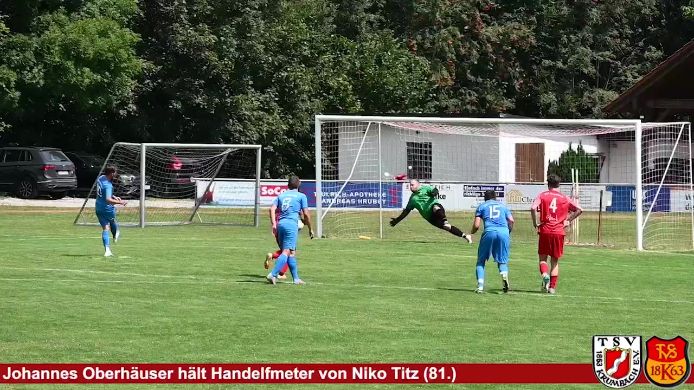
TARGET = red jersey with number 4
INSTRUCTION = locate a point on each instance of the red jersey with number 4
(554, 208)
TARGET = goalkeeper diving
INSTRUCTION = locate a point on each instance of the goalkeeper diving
(424, 198)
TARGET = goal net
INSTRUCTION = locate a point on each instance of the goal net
(633, 179)
(183, 183)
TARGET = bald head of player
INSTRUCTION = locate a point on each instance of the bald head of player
(293, 182)
(553, 181)
(414, 185)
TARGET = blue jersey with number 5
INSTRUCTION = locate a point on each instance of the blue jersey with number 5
(289, 204)
(495, 215)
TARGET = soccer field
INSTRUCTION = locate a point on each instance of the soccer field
(198, 294)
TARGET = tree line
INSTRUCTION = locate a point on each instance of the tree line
(82, 74)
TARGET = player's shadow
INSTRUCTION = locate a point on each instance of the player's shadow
(492, 291)
(456, 289)
(256, 278)
(526, 291)
(78, 255)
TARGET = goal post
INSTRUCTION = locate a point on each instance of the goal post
(361, 162)
(172, 184)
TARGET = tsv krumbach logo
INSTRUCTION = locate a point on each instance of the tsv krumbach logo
(617, 360)
(667, 361)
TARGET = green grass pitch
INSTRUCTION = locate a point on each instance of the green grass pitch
(197, 294)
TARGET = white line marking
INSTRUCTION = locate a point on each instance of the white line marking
(88, 271)
(110, 281)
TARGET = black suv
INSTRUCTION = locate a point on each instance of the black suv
(31, 171)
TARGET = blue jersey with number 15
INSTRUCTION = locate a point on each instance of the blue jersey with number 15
(289, 204)
(495, 215)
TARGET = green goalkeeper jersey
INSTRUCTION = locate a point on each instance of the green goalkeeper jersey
(423, 201)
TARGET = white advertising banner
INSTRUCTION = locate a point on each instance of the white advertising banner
(466, 197)
(238, 192)
(680, 200)
(457, 197)
(226, 193)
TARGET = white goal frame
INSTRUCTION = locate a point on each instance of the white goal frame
(636, 125)
(143, 161)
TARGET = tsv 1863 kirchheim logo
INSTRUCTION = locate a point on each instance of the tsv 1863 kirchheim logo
(617, 360)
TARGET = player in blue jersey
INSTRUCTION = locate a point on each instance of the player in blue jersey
(106, 208)
(496, 239)
(292, 205)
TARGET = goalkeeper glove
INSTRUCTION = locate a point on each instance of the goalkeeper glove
(394, 221)
(434, 192)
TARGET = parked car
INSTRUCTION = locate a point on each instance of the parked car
(127, 186)
(87, 169)
(31, 171)
(177, 177)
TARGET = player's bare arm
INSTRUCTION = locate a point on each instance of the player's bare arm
(306, 219)
(476, 225)
(574, 214)
(510, 221)
(116, 201)
(273, 217)
(533, 215)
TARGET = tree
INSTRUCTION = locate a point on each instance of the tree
(76, 71)
(688, 10)
(588, 165)
(587, 52)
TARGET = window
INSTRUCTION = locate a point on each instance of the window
(12, 155)
(330, 135)
(53, 156)
(419, 158)
(26, 156)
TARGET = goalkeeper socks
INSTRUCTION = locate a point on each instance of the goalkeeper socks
(293, 268)
(479, 271)
(456, 231)
(279, 264)
(105, 238)
(553, 281)
(544, 268)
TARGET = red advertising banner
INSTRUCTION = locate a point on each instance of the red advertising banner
(377, 373)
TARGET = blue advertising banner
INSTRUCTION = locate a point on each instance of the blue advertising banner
(624, 198)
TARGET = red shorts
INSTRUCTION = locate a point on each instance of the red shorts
(551, 245)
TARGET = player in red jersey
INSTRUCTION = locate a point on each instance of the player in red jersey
(556, 212)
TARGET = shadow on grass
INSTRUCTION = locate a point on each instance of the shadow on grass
(527, 291)
(79, 255)
(255, 276)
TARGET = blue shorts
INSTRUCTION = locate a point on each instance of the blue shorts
(287, 234)
(494, 244)
(106, 217)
